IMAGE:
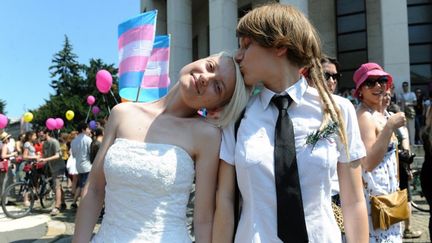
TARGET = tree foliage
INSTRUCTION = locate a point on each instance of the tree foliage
(73, 83)
(2, 106)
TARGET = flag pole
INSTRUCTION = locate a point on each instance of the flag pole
(112, 94)
(88, 112)
(109, 111)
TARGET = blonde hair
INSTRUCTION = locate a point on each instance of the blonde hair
(276, 25)
(231, 111)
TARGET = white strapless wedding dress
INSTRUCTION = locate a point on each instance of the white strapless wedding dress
(146, 194)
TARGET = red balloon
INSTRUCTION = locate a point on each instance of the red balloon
(103, 81)
(90, 100)
(51, 123)
(59, 123)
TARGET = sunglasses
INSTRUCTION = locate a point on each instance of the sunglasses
(370, 83)
(335, 76)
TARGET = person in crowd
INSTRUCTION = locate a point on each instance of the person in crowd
(71, 164)
(288, 202)
(332, 74)
(405, 158)
(96, 143)
(80, 148)
(29, 156)
(7, 152)
(64, 152)
(426, 170)
(20, 143)
(408, 101)
(377, 132)
(29, 152)
(52, 156)
(420, 112)
(39, 143)
(150, 153)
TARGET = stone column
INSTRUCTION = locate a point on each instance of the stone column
(179, 25)
(388, 45)
(223, 21)
(302, 5)
(323, 16)
(161, 23)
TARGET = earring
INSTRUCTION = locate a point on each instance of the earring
(202, 112)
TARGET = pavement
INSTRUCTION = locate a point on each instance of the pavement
(40, 227)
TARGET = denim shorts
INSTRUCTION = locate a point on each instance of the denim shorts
(82, 179)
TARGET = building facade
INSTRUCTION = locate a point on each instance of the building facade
(397, 34)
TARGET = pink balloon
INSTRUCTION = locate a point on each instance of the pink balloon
(59, 123)
(3, 121)
(103, 81)
(95, 110)
(90, 100)
(51, 123)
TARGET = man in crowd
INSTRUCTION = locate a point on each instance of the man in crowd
(80, 147)
(52, 156)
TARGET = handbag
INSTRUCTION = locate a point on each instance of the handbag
(337, 211)
(389, 209)
(4, 166)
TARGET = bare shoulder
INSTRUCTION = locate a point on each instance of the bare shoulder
(205, 130)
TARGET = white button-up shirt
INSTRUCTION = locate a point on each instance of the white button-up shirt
(252, 156)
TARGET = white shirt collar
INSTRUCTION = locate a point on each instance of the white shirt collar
(295, 91)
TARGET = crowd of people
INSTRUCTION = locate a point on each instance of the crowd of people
(267, 166)
(55, 155)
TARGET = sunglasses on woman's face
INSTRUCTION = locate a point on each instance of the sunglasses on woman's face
(370, 83)
(335, 76)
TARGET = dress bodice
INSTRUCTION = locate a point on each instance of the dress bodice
(146, 193)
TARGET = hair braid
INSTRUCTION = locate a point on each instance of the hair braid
(331, 110)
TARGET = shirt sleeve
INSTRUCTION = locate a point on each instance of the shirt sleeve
(227, 149)
(356, 148)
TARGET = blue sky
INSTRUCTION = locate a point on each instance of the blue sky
(33, 31)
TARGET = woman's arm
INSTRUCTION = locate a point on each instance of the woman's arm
(207, 162)
(94, 191)
(223, 225)
(353, 202)
(377, 144)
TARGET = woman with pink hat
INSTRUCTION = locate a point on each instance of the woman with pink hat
(380, 165)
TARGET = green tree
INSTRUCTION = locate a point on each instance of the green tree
(2, 106)
(72, 83)
(66, 71)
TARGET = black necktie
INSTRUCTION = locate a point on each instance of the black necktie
(290, 214)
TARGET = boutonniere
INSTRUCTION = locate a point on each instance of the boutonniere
(325, 133)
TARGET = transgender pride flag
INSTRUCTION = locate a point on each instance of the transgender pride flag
(156, 80)
(135, 42)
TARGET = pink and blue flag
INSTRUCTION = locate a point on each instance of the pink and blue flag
(136, 41)
(155, 81)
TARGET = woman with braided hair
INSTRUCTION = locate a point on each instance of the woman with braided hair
(278, 46)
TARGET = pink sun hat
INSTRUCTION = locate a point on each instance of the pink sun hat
(367, 70)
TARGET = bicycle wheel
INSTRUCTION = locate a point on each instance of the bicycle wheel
(418, 201)
(13, 203)
(424, 207)
(46, 194)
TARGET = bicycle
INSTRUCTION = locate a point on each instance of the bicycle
(18, 199)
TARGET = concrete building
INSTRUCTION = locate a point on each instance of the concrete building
(397, 34)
